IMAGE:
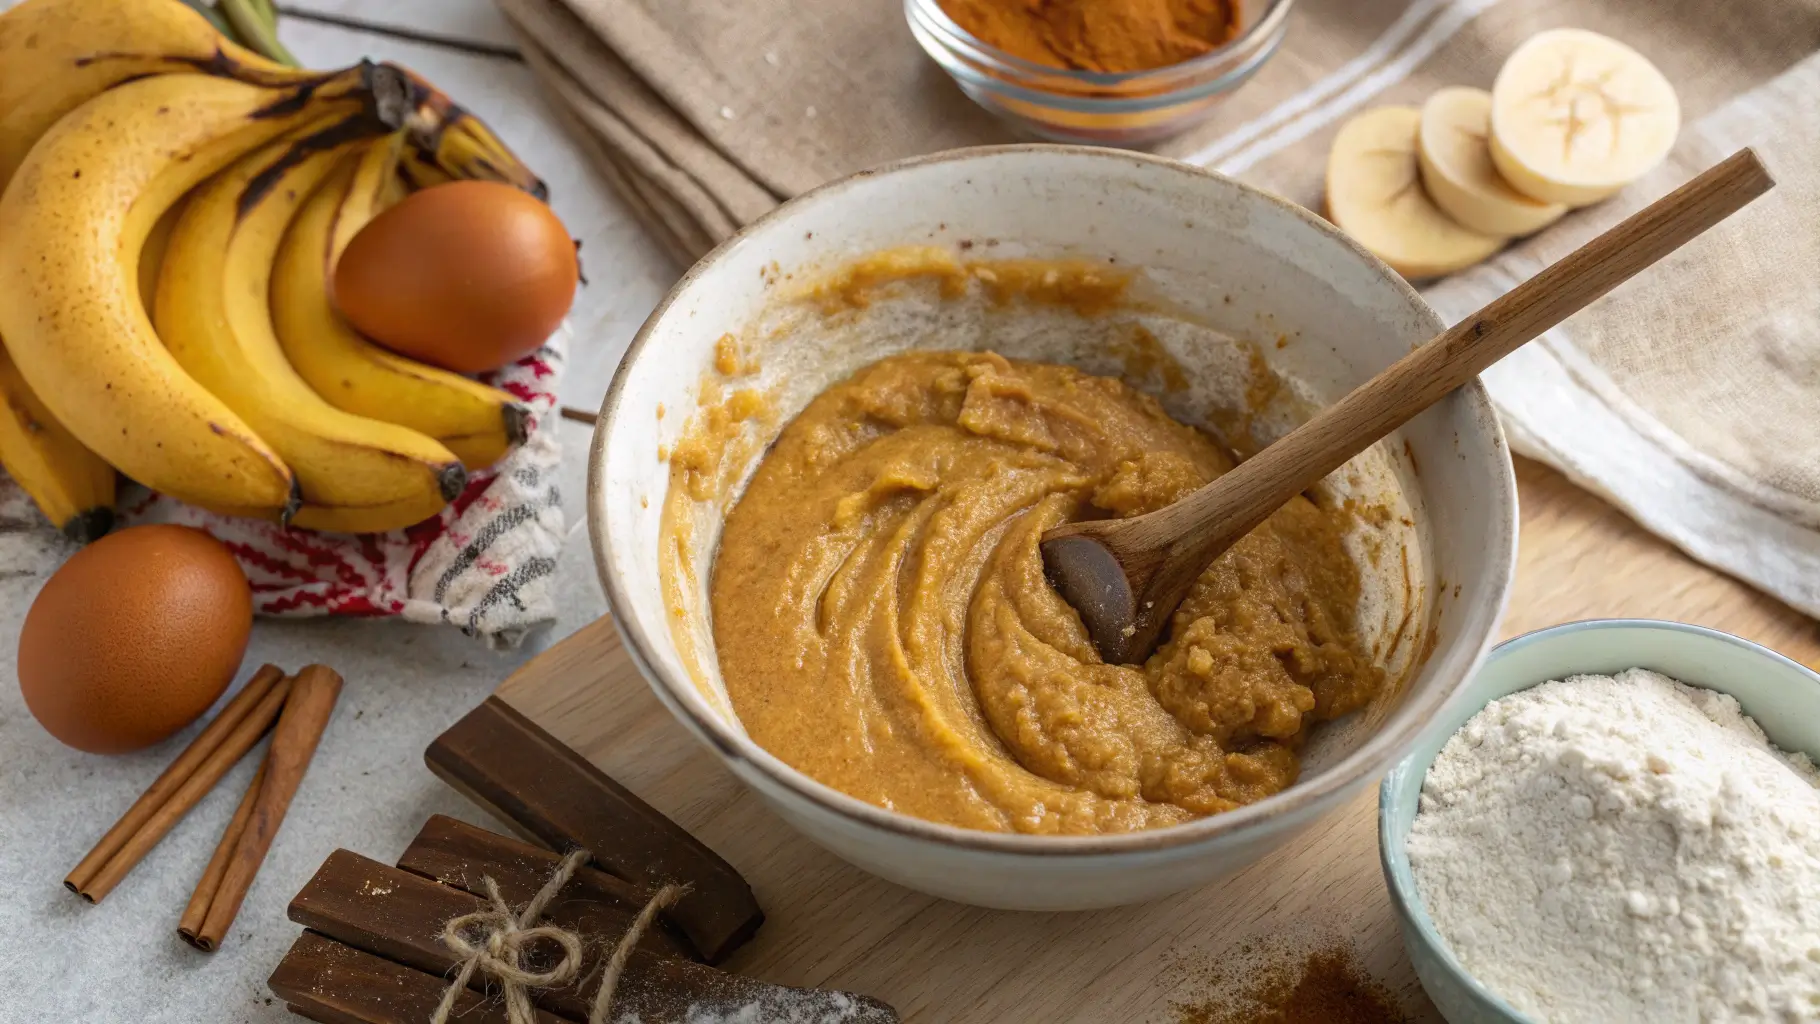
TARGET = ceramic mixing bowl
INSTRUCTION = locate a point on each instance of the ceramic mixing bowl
(1781, 695)
(1248, 278)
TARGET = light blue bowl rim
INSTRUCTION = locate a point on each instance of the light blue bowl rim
(1395, 863)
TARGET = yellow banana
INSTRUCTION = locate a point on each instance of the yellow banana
(72, 486)
(212, 311)
(478, 423)
(395, 189)
(75, 219)
(459, 144)
(56, 55)
(421, 171)
(372, 519)
(151, 256)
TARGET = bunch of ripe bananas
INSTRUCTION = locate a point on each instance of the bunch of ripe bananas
(174, 206)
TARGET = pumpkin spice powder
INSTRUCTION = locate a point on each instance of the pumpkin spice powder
(1099, 35)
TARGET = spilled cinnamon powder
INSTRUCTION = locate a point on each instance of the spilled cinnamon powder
(1325, 987)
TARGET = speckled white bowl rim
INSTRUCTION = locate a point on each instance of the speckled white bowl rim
(1368, 761)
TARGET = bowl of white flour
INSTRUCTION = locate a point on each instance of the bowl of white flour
(1614, 821)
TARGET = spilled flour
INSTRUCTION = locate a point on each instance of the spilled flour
(1625, 849)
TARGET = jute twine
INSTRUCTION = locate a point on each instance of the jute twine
(491, 941)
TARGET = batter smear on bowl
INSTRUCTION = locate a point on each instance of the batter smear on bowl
(882, 623)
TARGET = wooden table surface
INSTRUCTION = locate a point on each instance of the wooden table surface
(831, 924)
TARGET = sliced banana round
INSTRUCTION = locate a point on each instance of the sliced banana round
(1576, 116)
(1455, 151)
(1375, 194)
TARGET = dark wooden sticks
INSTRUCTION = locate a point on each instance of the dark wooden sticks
(335, 983)
(399, 916)
(376, 950)
(552, 795)
(461, 855)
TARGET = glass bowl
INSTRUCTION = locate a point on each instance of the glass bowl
(1129, 109)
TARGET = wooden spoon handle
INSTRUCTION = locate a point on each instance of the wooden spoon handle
(1259, 486)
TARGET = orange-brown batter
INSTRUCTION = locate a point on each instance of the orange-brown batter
(882, 623)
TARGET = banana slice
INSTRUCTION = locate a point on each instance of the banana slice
(1374, 194)
(1455, 153)
(1576, 116)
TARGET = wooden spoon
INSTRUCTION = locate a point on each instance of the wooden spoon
(1126, 576)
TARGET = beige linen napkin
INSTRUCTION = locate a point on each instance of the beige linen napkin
(1691, 398)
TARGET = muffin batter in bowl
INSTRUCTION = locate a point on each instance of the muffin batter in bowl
(882, 623)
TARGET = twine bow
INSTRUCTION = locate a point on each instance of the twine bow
(493, 940)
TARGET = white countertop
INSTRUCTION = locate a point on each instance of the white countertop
(367, 790)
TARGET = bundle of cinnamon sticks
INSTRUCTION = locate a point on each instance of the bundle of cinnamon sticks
(296, 710)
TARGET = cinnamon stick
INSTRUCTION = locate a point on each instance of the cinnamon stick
(174, 776)
(242, 738)
(189, 927)
(306, 715)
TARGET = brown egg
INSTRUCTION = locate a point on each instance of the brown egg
(468, 275)
(134, 637)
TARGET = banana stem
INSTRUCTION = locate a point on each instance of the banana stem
(258, 30)
(207, 10)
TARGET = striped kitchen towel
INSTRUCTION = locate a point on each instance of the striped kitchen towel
(704, 115)
(485, 564)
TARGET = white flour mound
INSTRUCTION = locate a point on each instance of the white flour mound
(1625, 849)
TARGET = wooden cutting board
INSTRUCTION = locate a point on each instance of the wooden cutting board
(832, 925)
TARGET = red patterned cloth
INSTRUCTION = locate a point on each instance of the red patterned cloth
(485, 564)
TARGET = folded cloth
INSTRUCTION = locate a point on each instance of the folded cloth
(484, 564)
(1687, 397)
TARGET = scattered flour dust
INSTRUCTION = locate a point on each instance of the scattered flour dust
(1626, 849)
(786, 1006)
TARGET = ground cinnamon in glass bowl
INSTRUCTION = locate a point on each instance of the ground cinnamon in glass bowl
(1111, 36)
(1110, 72)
